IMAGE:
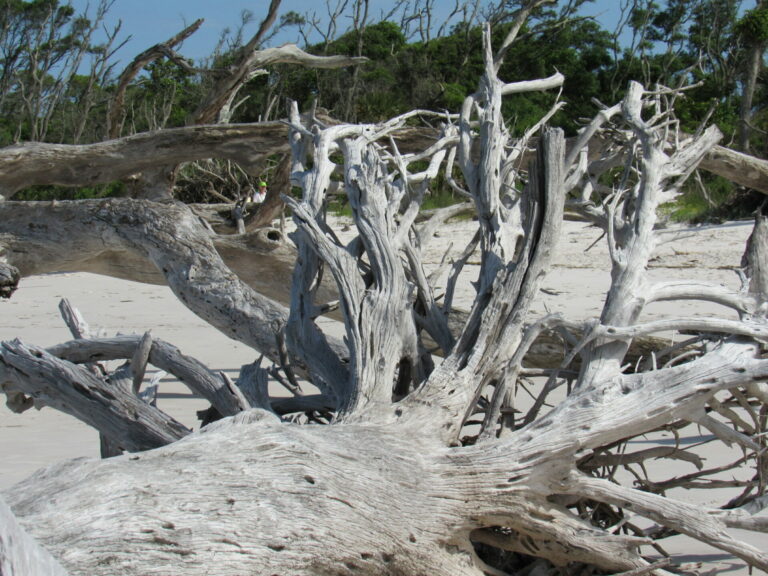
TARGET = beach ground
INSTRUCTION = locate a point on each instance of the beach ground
(575, 286)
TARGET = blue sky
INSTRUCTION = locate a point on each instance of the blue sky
(151, 21)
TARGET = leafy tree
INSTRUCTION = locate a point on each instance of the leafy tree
(43, 45)
(162, 97)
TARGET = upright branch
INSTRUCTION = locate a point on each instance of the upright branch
(652, 176)
(303, 336)
(518, 225)
(376, 295)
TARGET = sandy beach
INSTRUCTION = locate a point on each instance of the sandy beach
(575, 286)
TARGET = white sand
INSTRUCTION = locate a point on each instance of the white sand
(575, 286)
(36, 438)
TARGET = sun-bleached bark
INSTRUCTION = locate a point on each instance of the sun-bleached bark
(34, 163)
(167, 236)
(248, 144)
(412, 464)
(20, 554)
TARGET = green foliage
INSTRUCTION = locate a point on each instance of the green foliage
(379, 41)
(48, 193)
(42, 43)
(453, 95)
(339, 206)
(440, 197)
(291, 19)
(163, 97)
(700, 201)
(753, 26)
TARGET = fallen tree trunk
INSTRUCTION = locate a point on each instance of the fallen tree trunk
(300, 479)
(743, 169)
(75, 390)
(163, 242)
(37, 163)
(349, 499)
(248, 144)
(19, 553)
(90, 236)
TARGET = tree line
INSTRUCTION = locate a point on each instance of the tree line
(58, 83)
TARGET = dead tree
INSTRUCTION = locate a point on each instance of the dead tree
(412, 465)
(116, 110)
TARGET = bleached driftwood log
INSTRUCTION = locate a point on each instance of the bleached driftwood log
(424, 467)
(33, 163)
(248, 144)
(20, 554)
(107, 237)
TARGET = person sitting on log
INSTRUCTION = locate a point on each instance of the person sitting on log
(260, 194)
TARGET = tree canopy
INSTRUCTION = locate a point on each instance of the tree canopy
(59, 83)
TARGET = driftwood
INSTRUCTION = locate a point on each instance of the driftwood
(35, 163)
(748, 171)
(248, 144)
(151, 160)
(73, 240)
(412, 465)
(20, 554)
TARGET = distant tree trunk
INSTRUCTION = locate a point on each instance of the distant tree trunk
(753, 66)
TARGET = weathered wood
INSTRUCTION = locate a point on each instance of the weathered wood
(755, 264)
(169, 237)
(191, 372)
(247, 144)
(34, 163)
(266, 508)
(74, 320)
(74, 241)
(80, 330)
(139, 361)
(516, 234)
(115, 412)
(302, 336)
(631, 220)
(20, 555)
(9, 280)
(339, 473)
(383, 302)
(398, 485)
(254, 384)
